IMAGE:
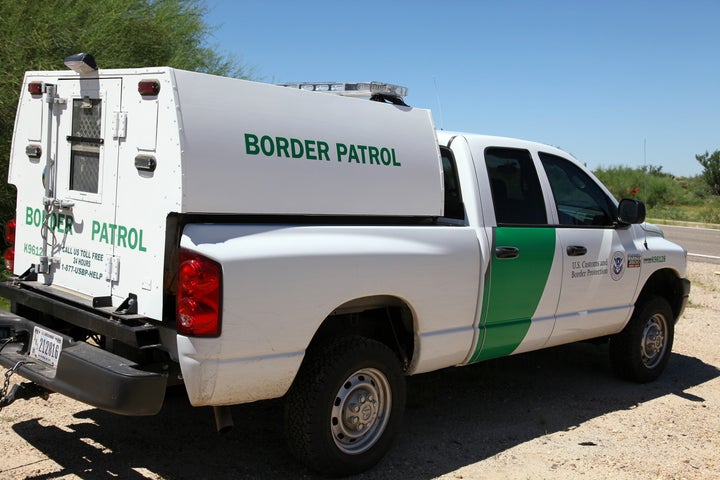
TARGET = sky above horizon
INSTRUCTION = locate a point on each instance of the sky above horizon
(613, 83)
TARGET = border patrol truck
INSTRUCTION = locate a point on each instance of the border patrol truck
(254, 241)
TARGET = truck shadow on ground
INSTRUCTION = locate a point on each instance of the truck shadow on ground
(454, 417)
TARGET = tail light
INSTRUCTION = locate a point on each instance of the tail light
(9, 254)
(148, 88)
(35, 88)
(198, 296)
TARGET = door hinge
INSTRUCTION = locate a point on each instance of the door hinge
(112, 269)
(119, 124)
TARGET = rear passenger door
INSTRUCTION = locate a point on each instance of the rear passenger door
(521, 286)
(601, 261)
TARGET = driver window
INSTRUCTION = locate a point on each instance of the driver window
(579, 200)
(515, 188)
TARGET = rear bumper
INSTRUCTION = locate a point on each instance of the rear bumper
(84, 372)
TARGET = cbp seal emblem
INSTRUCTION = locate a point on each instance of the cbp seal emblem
(617, 265)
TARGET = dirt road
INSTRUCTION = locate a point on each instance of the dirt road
(558, 413)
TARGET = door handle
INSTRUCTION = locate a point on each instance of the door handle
(576, 251)
(507, 252)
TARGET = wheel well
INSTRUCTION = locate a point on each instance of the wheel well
(383, 318)
(668, 285)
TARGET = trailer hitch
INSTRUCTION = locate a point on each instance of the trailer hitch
(21, 391)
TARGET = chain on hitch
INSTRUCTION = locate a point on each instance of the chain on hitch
(20, 391)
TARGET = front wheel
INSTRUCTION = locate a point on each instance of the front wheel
(641, 351)
(345, 407)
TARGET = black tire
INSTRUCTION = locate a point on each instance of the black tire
(641, 351)
(345, 406)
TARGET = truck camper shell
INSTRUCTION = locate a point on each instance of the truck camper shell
(225, 145)
(106, 161)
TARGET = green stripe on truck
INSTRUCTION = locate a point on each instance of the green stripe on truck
(514, 289)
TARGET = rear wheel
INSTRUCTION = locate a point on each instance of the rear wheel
(345, 407)
(641, 351)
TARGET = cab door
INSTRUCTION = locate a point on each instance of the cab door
(601, 262)
(81, 184)
(521, 285)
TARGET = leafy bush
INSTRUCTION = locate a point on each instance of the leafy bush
(648, 184)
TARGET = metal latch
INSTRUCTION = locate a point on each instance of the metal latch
(61, 203)
(51, 95)
(46, 264)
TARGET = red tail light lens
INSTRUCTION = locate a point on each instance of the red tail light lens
(10, 231)
(35, 88)
(148, 88)
(9, 254)
(198, 296)
(9, 258)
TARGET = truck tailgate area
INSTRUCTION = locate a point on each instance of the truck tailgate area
(52, 359)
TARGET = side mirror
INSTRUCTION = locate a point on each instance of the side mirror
(631, 211)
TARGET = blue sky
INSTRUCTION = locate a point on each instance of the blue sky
(611, 82)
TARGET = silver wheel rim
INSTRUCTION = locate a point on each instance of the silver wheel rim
(361, 411)
(654, 341)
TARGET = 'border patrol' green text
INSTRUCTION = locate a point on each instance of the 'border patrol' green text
(319, 150)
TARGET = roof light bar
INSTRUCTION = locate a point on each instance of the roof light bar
(361, 89)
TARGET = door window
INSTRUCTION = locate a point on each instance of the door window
(453, 199)
(579, 200)
(85, 144)
(515, 187)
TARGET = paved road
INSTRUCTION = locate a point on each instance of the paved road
(702, 244)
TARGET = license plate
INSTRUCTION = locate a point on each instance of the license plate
(46, 346)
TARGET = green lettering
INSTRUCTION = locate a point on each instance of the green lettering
(282, 147)
(267, 146)
(296, 148)
(122, 233)
(323, 151)
(28, 216)
(112, 227)
(395, 162)
(362, 149)
(133, 238)
(69, 221)
(104, 233)
(385, 157)
(95, 229)
(374, 153)
(142, 247)
(310, 150)
(353, 154)
(251, 144)
(341, 150)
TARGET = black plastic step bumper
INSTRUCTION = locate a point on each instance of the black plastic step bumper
(84, 372)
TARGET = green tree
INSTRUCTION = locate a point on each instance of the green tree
(38, 35)
(711, 172)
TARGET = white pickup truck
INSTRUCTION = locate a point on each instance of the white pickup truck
(254, 241)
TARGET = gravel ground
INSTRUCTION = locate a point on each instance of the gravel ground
(557, 413)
